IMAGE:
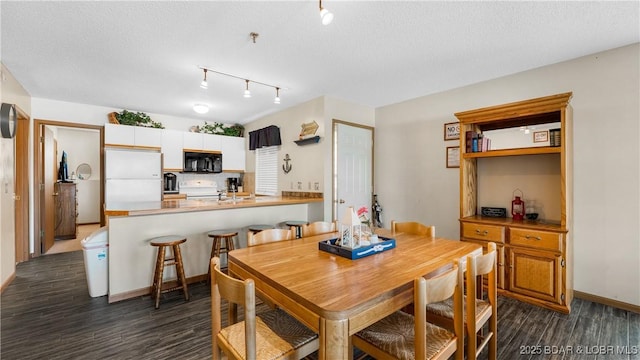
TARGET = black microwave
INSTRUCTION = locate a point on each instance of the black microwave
(202, 162)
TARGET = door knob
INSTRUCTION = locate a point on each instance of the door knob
(341, 201)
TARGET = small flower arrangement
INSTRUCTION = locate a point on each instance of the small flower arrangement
(362, 215)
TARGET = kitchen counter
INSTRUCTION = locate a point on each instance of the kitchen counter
(180, 206)
(132, 224)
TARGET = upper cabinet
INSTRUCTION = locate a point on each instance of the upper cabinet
(529, 153)
(192, 140)
(233, 153)
(136, 136)
(172, 144)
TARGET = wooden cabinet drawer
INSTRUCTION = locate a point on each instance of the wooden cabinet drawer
(483, 232)
(535, 239)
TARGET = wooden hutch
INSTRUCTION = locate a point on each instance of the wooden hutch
(535, 262)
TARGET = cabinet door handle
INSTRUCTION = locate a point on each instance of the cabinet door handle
(56, 194)
(483, 233)
(534, 237)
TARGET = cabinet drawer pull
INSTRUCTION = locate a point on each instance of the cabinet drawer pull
(535, 237)
(484, 233)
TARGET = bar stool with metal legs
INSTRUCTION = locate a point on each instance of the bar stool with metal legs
(256, 228)
(162, 243)
(297, 225)
(222, 244)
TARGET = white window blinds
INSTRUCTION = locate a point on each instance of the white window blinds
(267, 170)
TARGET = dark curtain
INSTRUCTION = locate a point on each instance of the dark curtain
(269, 136)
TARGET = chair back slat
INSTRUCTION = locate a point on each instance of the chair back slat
(487, 262)
(413, 228)
(318, 227)
(269, 235)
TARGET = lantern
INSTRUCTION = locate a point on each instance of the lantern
(517, 206)
(350, 229)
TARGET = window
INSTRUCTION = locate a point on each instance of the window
(267, 170)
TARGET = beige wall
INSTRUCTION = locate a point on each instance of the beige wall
(13, 93)
(413, 183)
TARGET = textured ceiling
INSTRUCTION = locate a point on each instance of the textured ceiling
(144, 56)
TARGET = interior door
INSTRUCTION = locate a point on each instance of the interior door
(353, 167)
(47, 211)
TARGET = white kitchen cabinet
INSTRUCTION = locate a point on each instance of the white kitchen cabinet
(115, 134)
(233, 153)
(211, 142)
(150, 137)
(172, 142)
(192, 140)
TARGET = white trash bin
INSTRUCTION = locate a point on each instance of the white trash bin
(96, 261)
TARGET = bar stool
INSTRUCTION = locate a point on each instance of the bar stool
(256, 228)
(162, 243)
(298, 225)
(220, 238)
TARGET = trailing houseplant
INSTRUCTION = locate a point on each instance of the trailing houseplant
(221, 129)
(136, 119)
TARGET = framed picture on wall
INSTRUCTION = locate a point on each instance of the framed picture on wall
(540, 136)
(452, 131)
(453, 156)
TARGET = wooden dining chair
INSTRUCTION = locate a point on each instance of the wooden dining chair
(318, 227)
(273, 334)
(403, 336)
(269, 235)
(479, 309)
(414, 228)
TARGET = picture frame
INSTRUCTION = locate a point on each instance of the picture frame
(540, 136)
(453, 156)
(452, 131)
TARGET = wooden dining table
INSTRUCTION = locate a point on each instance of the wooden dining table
(336, 296)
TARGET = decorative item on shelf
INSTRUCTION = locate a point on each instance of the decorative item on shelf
(286, 167)
(554, 137)
(308, 134)
(517, 206)
(133, 119)
(494, 212)
(350, 229)
(530, 211)
(221, 129)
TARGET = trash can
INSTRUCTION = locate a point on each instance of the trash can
(96, 261)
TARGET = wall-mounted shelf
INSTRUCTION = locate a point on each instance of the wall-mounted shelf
(308, 141)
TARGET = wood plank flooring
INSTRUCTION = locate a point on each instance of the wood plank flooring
(47, 313)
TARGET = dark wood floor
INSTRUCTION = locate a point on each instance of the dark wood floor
(46, 313)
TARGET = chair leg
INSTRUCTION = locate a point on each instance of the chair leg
(159, 275)
(180, 270)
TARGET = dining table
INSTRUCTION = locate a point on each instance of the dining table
(336, 296)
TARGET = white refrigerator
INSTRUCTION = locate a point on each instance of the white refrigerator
(132, 176)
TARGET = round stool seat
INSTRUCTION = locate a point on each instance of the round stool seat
(168, 240)
(222, 233)
(260, 227)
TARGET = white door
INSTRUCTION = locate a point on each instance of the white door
(353, 168)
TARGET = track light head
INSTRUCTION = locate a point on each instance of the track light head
(325, 15)
(277, 99)
(247, 93)
(204, 84)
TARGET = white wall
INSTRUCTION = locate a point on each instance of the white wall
(11, 92)
(413, 183)
(83, 147)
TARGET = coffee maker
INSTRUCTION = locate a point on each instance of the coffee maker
(232, 184)
(170, 183)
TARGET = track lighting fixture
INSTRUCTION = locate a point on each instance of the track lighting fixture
(247, 92)
(201, 108)
(204, 84)
(325, 15)
(277, 99)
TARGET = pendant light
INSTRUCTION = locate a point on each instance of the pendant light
(325, 15)
(204, 84)
(277, 99)
(247, 93)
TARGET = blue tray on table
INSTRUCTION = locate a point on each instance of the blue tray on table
(363, 251)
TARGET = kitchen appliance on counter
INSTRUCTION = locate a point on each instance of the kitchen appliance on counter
(232, 184)
(202, 162)
(170, 183)
(132, 175)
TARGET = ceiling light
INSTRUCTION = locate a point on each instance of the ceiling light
(325, 15)
(277, 99)
(247, 93)
(201, 108)
(204, 84)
